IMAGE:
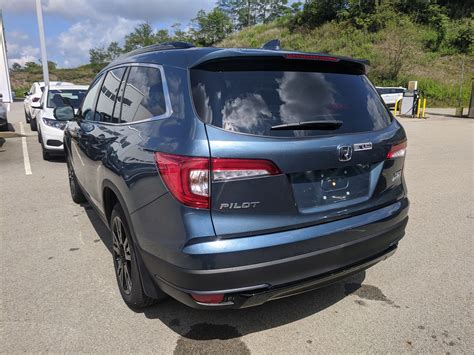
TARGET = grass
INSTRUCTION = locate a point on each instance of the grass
(22, 80)
(438, 73)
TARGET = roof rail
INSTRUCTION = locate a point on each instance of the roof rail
(159, 47)
(274, 45)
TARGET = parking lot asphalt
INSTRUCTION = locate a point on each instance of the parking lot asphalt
(59, 294)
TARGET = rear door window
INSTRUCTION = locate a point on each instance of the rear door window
(253, 102)
(86, 111)
(144, 95)
(108, 94)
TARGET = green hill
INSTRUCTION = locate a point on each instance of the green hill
(428, 41)
(404, 46)
(22, 80)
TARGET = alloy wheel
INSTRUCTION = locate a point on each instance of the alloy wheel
(122, 255)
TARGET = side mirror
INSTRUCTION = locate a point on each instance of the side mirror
(27, 93)
(64, 113)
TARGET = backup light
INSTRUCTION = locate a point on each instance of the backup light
(397, 151)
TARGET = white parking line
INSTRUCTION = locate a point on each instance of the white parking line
(26, 157)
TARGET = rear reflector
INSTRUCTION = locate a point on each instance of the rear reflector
(397, 151)
(210, 299)
(312, 57)
(188, 178)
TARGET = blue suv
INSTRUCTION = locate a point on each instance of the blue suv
(231, 177)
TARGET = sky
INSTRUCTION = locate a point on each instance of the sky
(72, 27)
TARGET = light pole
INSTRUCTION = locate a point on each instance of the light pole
(44, 59)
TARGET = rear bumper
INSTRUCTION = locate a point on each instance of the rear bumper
(244, 298)
(251, 273)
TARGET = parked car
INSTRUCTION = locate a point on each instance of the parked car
(3, 116)
(391, 95)
(51, 129)
(231, 177)
(32, 100)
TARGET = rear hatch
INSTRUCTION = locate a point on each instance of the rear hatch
(295, 140)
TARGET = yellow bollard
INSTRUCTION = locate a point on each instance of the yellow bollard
(424, 108)
(395, 108)
(418, 112)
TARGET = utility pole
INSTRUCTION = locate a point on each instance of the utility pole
(461, 81)
(44, 59)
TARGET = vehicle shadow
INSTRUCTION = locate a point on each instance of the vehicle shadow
(208, 325)
(57, 159)
(99, 226)
(197, 324)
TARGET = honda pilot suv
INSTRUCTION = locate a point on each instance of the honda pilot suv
(231, 177)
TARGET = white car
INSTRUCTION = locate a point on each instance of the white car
(32, 99)
(51, 129)
(390, 95)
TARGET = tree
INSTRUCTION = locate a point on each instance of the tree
(16, 66)
(210, 28)
(179, 34)
(32, 67)
(162, 36)
(141, 36)
(245, 13)
(463, 37)
(51, 65)
(269, 10)
(394, 52)
(97, 55)
(318, 12)
(103, 55)
(113, 51)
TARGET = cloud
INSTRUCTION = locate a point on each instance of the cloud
(21, 54)
(144, 10)
(75, 43)
(19, 48)
(93, 23)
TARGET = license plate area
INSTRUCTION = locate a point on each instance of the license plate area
(320, 189)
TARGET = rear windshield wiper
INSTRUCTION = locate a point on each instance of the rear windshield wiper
(322, 125)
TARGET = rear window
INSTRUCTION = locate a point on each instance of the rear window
(253, 101)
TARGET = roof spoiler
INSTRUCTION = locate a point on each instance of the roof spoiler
(159, 47)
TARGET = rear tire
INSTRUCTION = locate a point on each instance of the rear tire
(125, 262)
(33, 125)
(76, 193)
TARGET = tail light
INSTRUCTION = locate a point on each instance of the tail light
(397, 151)
(188, 178)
